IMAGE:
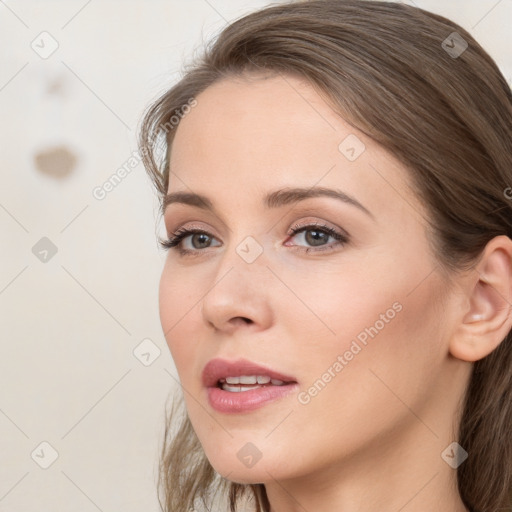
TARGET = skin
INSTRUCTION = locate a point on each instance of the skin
(372, 438)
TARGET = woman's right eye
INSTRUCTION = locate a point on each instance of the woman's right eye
(196, 236)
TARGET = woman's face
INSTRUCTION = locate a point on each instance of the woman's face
(354, 318)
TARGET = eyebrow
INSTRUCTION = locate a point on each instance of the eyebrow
(274, 199)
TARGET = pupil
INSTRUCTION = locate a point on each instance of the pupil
(205, 238)
(319, 236)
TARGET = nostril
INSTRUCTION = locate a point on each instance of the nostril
(242, 319)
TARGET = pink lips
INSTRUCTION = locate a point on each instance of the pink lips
(243, 401)
(220, 368)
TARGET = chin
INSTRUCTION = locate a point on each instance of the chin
(248, 477)
(245, 464)
(234, 471)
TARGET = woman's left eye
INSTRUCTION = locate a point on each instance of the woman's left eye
(316, 234)
(313, 234)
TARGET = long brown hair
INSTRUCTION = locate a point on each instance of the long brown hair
(401, 76)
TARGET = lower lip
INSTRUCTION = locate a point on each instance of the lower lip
(243, 401)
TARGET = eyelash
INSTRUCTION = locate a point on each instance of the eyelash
(176, 238)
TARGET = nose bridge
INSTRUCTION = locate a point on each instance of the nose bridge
(244, 251)
(241, 269)
(239, 288)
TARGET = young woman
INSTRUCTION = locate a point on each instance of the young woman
(336, 184)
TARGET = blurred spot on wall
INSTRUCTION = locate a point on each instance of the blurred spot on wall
(57, 162)
(56, 86)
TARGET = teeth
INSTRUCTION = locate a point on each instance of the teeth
(243, 383)
(238, 389)
(248, 379)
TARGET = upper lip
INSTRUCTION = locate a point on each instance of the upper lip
(220, 368)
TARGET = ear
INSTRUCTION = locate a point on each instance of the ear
(487, 313)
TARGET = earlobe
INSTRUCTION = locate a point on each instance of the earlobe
(487, 318)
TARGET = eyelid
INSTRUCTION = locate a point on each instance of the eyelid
(180, 216)
(305, 222)
(310, 222)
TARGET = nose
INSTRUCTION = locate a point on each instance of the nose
(239, 296)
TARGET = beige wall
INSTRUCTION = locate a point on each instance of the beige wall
(70, 321)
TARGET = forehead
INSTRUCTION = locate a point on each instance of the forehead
(264, 122)
(255, 133)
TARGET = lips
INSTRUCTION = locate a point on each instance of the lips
(228, 392)
(217, 369)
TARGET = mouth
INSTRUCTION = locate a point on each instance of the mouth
(248, 382)
(241, 386)
(241, 375)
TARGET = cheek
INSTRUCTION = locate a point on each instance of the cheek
(377, 321)
(177, 305)
(379, 380)
(353, 296)
(392, 346)
(337, 303)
